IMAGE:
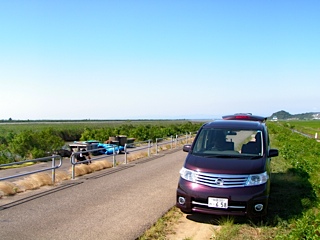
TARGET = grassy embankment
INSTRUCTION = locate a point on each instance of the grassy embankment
(294, 207)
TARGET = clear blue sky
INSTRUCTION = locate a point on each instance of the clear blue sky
(158, 59)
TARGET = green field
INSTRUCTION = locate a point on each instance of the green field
(19, 126)
(310, 127)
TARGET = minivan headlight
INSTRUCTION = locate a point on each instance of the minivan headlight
(257, 179)
(187, 174)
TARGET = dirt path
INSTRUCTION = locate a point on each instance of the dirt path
(195, 227)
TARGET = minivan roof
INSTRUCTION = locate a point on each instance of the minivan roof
(244, 116)
(235, 124)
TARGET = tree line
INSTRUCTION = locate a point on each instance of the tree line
(31, 144)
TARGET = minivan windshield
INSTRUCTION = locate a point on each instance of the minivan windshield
(229, 143)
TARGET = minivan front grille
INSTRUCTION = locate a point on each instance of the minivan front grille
(221, 180)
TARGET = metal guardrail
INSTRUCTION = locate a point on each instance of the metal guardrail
(172, 140)
(159, 141)
(74, 161)
(53, 167)
(140, 146)
(136, 146)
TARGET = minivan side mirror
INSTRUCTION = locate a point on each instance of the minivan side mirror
(273, 152)
(187, 147)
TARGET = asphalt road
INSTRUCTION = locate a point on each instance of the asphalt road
(115, 203)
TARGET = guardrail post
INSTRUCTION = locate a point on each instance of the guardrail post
(176, 140)
(125, 154)
(73, 167)
(114, 157)
(156, 146)
(171, 142)
(53, 171)
(149, 147)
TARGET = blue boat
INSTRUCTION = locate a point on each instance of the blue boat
(101, 148)
(107, 148)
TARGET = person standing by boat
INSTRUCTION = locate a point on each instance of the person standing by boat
(83, 155)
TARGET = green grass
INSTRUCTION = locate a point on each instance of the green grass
(228, 229)
(310, 127)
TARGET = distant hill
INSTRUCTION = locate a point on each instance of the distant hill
(283, 115)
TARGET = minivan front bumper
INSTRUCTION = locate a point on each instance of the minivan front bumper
(242, 201)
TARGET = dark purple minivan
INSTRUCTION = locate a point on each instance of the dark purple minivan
(227, 169)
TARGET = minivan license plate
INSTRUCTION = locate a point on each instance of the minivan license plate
(218, 202)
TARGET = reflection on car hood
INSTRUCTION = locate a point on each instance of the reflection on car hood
(218, 165)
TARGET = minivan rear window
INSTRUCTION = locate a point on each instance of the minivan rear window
(229, 142)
